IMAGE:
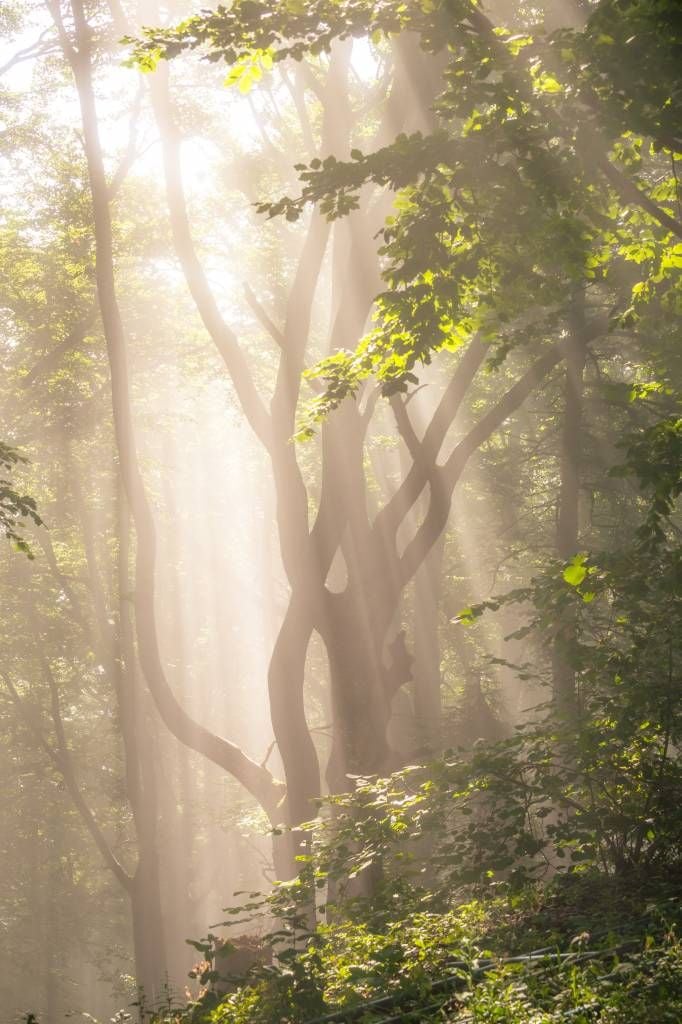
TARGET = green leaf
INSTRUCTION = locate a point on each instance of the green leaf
(548, 83)
(147, 61)
(672, 259)
(465, 617)
(575, 572)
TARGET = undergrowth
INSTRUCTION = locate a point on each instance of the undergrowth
(584, 948)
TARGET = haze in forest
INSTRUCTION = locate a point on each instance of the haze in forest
(339, 443)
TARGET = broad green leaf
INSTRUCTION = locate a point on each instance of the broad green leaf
(575, 572)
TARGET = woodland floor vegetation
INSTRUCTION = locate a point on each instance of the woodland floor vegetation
(585, 949)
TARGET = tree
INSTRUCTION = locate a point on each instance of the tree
(452, 273)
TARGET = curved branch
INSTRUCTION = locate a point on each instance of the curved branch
(222, 336)
(444, 479)
(261, 314)
(630, 193)
(40, 48)
(405, 426)
(421, 472)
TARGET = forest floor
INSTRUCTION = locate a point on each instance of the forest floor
(588, 949)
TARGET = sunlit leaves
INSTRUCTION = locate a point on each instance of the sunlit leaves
(672, 258)
(500, 206)
(467, 616)
(248, 70)
(148, 60)
(544, 81)
(516, 43)
(14, 506)
(294, 29)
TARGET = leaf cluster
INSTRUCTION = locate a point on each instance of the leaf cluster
(14, 506)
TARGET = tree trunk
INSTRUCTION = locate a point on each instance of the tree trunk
(145, 890)
(148, 934)
(359, 700)
(426, 673)
(568, 507)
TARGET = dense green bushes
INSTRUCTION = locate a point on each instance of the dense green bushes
(609, 954)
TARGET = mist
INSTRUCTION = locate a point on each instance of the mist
(312, 440)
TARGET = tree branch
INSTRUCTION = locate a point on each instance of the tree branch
(444, 479)
(262, 316)
(223, 337)
(49, 362)
(37, 49)
(405, 427)
(130, 155)
(394, 511)
(61, 759)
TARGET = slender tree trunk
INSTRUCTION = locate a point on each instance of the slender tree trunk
(51, 932)
(287, 711)
(426, 671)
(147, 919)
(568, 507)
(145, 888)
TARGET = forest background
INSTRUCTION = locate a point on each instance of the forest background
(319, 350)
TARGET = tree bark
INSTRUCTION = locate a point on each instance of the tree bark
(426, 673)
